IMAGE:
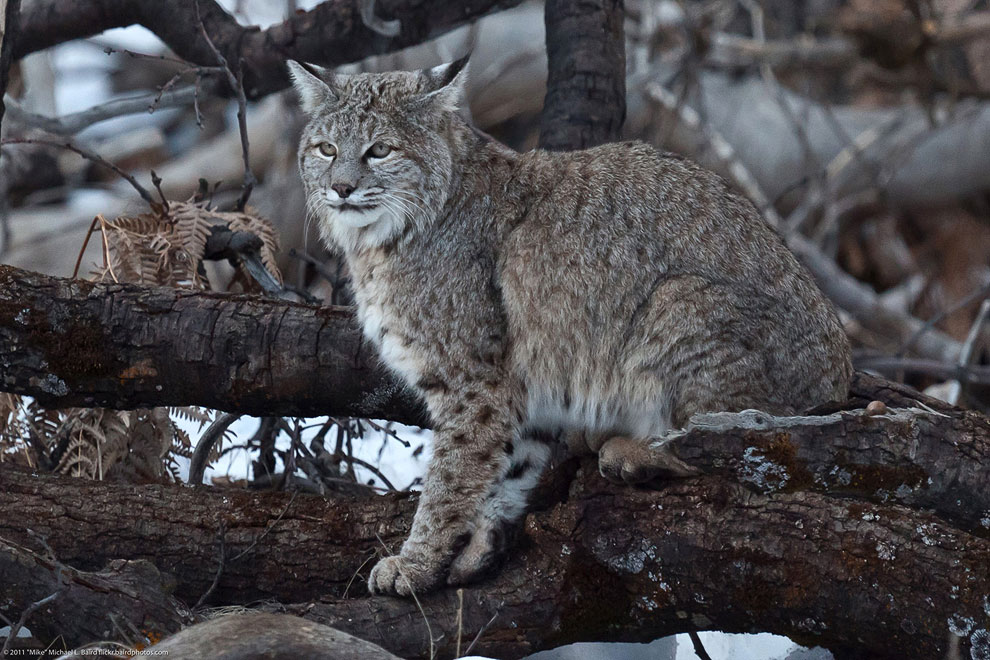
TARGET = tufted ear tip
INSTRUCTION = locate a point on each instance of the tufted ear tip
(447, 82)
(309, 84)
(452, 70)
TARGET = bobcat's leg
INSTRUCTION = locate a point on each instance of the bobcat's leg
(475, 421)
(635, 460)
(504, 507)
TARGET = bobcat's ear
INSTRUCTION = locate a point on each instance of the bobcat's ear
(446, 83)
(313, 91)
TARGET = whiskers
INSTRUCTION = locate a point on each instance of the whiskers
(318, 206)
(403, 204)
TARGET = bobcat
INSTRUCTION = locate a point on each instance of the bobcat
(608, 294)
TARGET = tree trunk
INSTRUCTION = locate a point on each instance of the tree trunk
(861, 547)
(9, 13)
(586, 84)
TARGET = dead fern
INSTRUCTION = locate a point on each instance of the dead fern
(167, 248)
(162, 248)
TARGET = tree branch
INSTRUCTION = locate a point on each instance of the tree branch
(76, 343)
(331, 34)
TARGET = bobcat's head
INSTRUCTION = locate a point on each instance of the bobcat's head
(376, 156)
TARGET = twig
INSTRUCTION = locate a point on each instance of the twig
(88, 155)
(355, 574)
(371, 468)
(249, 178)
(302, 255)
(31, 609)
(106, 247)
(110, 50)
(974, 375)
(77, 121)
(156, 181)
(197, 465)
(460, 621)
(216, 578)
(483, 629)
(949, 311)
(389, 432)
(267, 529)
(966, 355)
(236, 83)
(92, 227)
(699, 648)
(974, 331)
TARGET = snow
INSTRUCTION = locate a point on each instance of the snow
(402, 466)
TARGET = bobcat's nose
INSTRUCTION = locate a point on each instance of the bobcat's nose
(342, 189)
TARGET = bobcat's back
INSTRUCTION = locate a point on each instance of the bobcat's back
(639, 289)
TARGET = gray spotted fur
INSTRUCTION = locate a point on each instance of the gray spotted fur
(609, 293)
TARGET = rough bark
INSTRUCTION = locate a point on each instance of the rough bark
(90, 606)
(331, 34)
(863, 568)
(75, 343)
(586, 84)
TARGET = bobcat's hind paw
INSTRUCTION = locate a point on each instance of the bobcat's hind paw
(635, 461)
(401, 576)
(480, 557)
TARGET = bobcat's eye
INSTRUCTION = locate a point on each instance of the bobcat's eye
(326, 149)
(379, 150)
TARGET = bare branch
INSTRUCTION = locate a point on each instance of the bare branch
(236, 82)
(190, 354)
(77, 121)
(304, 36)
(88, 155)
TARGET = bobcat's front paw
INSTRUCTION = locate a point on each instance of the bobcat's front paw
(401, 576)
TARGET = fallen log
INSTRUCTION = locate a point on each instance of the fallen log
(844, 568)
(125, 597)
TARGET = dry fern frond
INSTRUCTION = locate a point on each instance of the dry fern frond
(168, 248)
(11, 424)
(13, 429)
(201, 416)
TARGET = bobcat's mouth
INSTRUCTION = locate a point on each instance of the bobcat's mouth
(354, 208)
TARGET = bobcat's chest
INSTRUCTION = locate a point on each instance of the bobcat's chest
(384, 324)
